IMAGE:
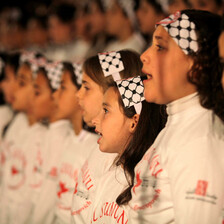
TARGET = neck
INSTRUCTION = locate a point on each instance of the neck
(76, 121)
(31, 119)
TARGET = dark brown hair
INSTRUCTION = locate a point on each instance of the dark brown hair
(206, 71)
(132, 67)
(152, 119)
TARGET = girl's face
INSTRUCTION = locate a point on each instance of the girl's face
(96, 19)
(66, 98)
(221, 54)
(43, 103)
(112, 125)
(147, 17)
(59, 32)
(166, 67)
(90, 97)
(115, 19)
(24, 91)
(8, 84)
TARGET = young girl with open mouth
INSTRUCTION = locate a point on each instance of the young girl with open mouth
(180, 178)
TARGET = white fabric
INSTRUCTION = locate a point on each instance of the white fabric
(104, 208)
(6, 115)
(17, 172)
(181, 177)
(135, 42)
(94, 167)
(77, 149)
(55, 138)
(73, 52)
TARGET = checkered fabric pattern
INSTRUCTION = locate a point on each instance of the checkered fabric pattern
(54, 74)
(2, 64)
(111, 63)
(182, 30)
(78, 72)
(131, 91)
(34, 61)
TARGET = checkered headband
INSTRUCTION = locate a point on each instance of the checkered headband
(54, 73)
(131, 90)
(182, 30)
(2, 64)
(34, 60)
(78, 72)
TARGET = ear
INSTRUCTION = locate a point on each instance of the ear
(134, 123)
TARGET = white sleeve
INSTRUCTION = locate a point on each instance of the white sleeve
(197, 180)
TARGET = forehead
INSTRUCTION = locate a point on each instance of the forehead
(24, 71)
(161, 34)
(111, 96)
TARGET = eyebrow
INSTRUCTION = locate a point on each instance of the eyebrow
(84, 81)
(22, 76)
(36, 86)
(160, 38)
(106, 105)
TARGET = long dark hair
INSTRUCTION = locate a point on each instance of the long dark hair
(151, 121)
(206, 71)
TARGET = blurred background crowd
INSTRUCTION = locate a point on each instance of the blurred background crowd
(73, 30)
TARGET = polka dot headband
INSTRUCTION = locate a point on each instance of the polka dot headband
(131, 90)
(182, 30)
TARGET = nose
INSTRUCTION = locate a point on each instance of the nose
(96, 121)
(55, 94)
(145, 56)
(79, 93)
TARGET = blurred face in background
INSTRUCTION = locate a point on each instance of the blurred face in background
(43, 104)
(66, 98)
(116, 21)
(8, 84)
(59, 32)
(147, 17)
(177, 5)
(24, 92)
(36, 34)
(208, 5)
(96, 19)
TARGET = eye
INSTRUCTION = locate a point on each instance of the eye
(86, 88)
(37, 93)
(105, 110)
(159, 47)
(21, 83)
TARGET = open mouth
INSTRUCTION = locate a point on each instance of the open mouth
(100, 136)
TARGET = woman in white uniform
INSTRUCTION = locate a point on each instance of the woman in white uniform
(180, 178)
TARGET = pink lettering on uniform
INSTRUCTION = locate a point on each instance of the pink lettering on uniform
(139, 181)
(201, 188)
(155, 166)
(14, 170)
(53, 171)
(63, 189)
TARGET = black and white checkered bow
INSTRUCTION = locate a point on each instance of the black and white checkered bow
(111, 64)
(54, 74)
(78, 72)
(182, 30)
(34, 59)
(131, 90)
